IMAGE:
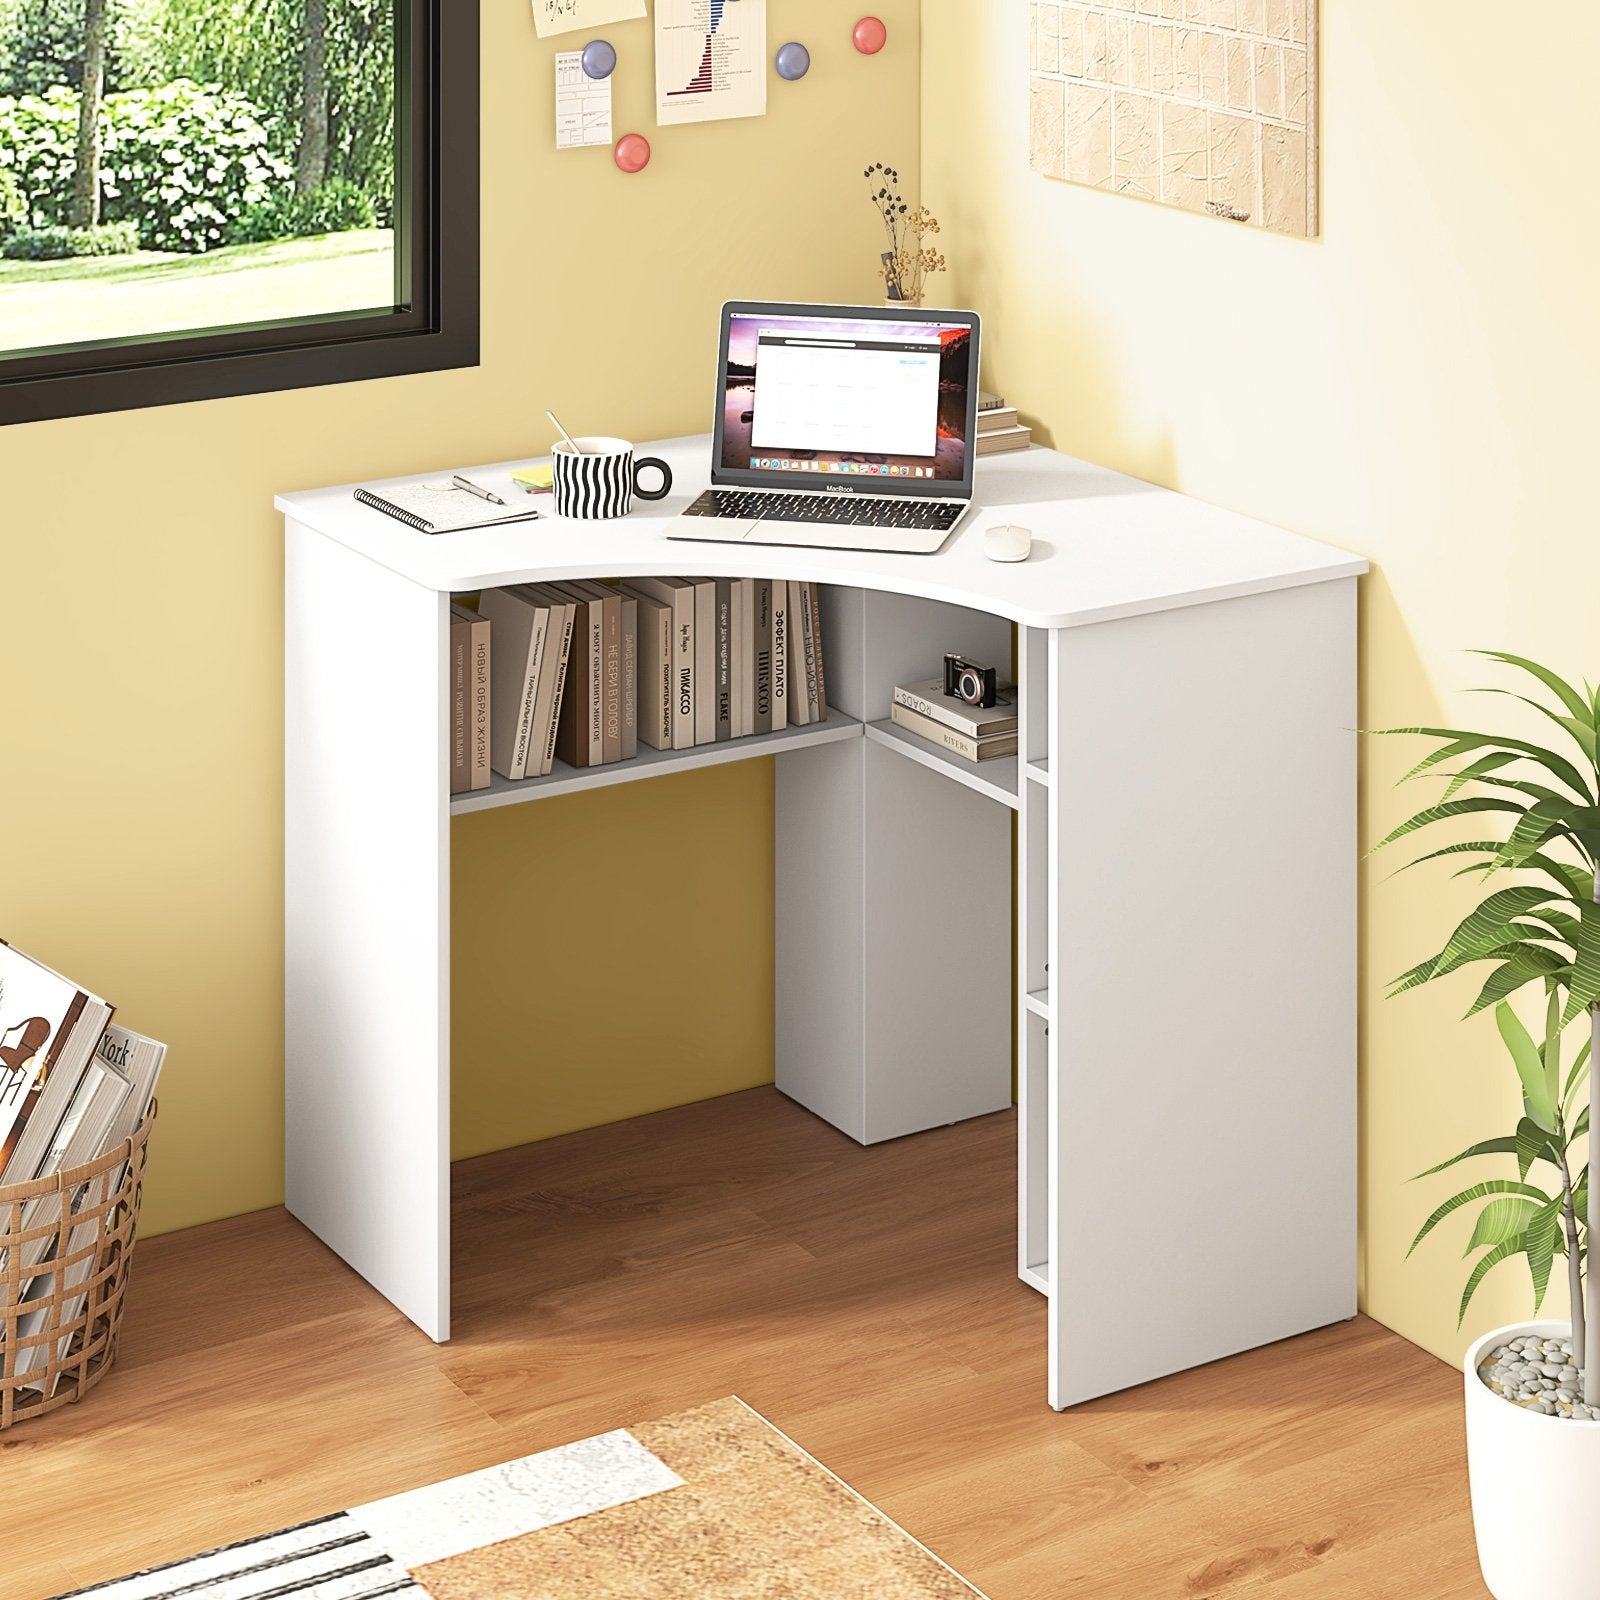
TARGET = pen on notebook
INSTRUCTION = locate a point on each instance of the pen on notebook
(472, 488)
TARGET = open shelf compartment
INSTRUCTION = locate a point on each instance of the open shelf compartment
(655, 764)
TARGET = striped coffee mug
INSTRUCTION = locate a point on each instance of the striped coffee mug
(604, 479)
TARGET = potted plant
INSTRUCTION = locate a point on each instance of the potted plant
(910, 260)
(1532, 1389)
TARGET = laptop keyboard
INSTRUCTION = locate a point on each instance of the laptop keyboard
(842, 510)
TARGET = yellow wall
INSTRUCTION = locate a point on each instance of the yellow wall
(1422, 385)
(141, 657)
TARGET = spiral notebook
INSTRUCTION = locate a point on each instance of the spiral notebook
(438, 508)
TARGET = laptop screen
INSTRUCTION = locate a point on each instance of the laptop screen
(818, 397)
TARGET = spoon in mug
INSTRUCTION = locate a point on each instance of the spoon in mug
(577, 449)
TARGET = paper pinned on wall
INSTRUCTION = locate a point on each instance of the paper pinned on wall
(583, 104)
(568, 16)
(711, 60)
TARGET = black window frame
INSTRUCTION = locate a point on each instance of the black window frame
(436, 203)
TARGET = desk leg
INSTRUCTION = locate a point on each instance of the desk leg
(1202, 1050)
(366, 921)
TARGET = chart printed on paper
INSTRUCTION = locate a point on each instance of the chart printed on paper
(711, 60)
(583, 104)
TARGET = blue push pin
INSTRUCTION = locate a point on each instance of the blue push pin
(599, 59)
(794, 61)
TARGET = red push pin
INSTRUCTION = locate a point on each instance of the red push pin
(632, 153)
(870, 36)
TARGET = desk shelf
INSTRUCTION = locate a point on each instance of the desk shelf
(997, 779)
(654, 764)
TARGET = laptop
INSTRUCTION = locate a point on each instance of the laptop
(849, 427)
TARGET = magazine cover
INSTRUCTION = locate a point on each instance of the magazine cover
(38, 1008)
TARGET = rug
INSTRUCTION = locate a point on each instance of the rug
(711, 1504)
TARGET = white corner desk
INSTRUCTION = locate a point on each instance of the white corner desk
(1184, 893)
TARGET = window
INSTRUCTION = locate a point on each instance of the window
(209, 197)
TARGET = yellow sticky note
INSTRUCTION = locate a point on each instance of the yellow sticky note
(533, 479)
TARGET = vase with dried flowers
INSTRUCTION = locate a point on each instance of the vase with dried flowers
(910, 260)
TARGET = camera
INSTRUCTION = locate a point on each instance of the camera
(970, 681)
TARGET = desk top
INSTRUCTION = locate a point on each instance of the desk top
(1104, 545)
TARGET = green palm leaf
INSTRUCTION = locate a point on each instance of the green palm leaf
(1462, 742)
(1479, 1191)
(1534, 1144)
(1581, 733)
(1501, 1252)
(1584, 990)
(1488, 1147)
(1570, 876)
(1551, 819)
(1453, 808)
(1536, 1091)
(1488, 847)
(1500, 1220)
(1518, 938)
(1540, 1243)
(1534, 791)
(1582, 709)
(1477, 770)
(1577, 1076)
(1494, 923)
(1530, 962)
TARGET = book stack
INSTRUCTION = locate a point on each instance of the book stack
(975, 733)
(998, 428)
(585, 673)
(73, 1086)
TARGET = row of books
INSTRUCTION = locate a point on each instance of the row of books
(585, 672)
(73, 1086)
(999, 428)
(975, 733)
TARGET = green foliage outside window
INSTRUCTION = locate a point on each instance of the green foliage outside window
(61, 244)
(179, 162)
(205, 114)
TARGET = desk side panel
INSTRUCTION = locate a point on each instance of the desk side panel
(1203, 1139)
(366, 981)
(937, 950)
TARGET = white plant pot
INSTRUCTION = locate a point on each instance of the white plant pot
(1535, 1487)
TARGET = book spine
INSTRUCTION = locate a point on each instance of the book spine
(794, 659)
(683, 685)
(572, 732)
(724, 659)
(630, 678)
(530, 690)
(611, 731)
(973, 726)
(705, 661)
(780, 656)
(807, 690)
(460, 669)
(736, 631)
(480, 646)
(817, 636)
(655, 674)
(961, 744)
(563, 667)
(593, 615)
(764, 637)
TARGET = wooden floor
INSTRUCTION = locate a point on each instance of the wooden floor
(864, 1300)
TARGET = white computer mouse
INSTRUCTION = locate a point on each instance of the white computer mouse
(1007, 542)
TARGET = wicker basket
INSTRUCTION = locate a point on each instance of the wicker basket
(63, 1337)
